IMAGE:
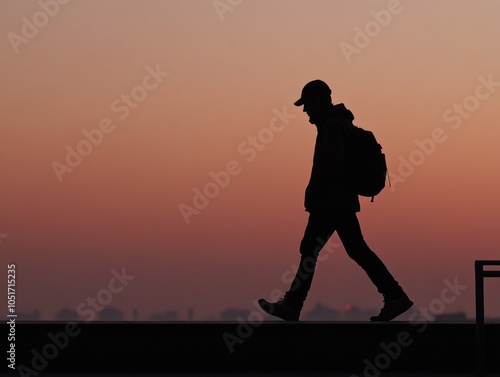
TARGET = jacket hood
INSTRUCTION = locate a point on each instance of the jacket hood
(340, 110)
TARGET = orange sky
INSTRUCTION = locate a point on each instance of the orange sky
(181, 88)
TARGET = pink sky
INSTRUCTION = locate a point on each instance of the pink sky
(186, 86)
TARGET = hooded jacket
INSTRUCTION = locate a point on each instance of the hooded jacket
(328, 190)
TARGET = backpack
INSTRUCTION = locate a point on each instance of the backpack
(366, 167)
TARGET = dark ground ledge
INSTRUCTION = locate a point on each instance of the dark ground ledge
(359, 348)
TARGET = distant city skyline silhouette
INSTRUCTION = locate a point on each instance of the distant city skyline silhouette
(319, 312)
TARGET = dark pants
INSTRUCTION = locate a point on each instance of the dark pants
(319, 229)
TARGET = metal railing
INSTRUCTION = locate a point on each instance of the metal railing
(480, 275)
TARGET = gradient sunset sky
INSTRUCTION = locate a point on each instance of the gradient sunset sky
(157, 97)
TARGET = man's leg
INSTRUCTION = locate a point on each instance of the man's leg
(350, 234)
(352, 238)
(318, 231)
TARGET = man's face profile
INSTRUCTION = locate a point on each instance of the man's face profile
(313, 109)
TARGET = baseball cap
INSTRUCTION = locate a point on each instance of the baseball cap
(313, 89)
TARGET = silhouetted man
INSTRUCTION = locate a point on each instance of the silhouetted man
(332, 206)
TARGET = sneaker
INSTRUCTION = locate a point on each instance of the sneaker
(393, 308)
(279, 309)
